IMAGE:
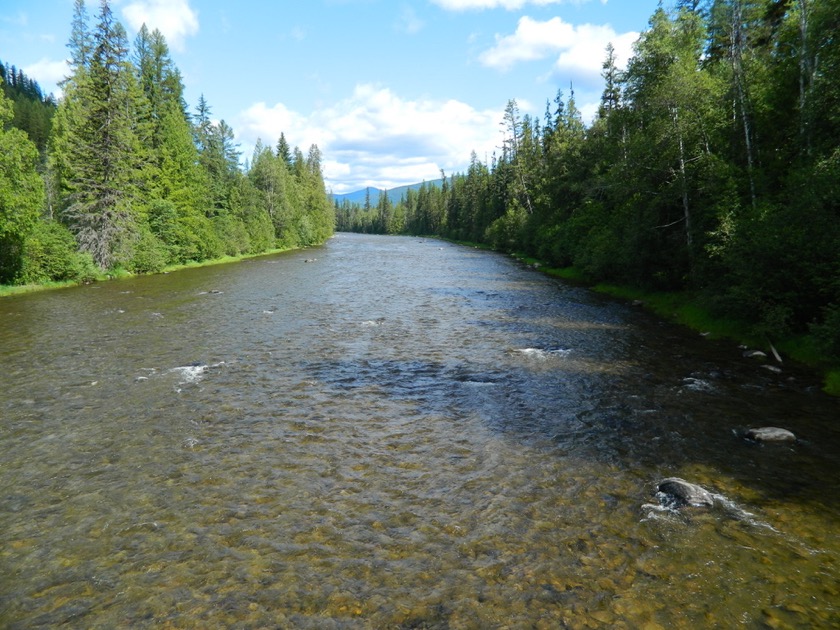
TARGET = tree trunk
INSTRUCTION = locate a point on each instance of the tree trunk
(737, 37)
(684, 185)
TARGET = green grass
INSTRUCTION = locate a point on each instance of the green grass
(17, 289)
(686, 309)
(224, 260)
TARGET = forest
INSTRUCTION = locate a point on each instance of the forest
(119, 176)
(712, 169)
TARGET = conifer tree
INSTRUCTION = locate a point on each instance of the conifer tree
(284, 151)
(98, 150)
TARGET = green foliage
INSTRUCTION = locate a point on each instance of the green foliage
(97, 153)
(832, 383)
(21, 192)
(294, 197)
(139, 184)
(505, 232)
(827, 332)
(148, 253)
(33, 111)
(50, 254)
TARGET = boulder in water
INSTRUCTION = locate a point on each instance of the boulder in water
(684, 493)
(770, 434)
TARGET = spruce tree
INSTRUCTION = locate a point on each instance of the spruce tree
(95, 149)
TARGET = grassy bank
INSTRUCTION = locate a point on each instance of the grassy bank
(17, 289)
(688, 309)
(7, 289)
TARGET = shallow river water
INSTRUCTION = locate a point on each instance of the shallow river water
(401, 433)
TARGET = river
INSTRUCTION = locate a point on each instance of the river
(391, 432)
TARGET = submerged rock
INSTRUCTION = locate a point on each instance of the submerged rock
(684, 493)
(770, 434)
(755, 354)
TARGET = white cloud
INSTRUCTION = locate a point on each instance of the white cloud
(174, 18)
(48, 74)
(532, 40)
(588, 51)
(510, 5)
(376, 138)
(580, 50)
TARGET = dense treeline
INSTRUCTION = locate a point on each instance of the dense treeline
(713, 166)
(33, 111)
(130, 179)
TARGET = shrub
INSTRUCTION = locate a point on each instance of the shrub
(50, 254)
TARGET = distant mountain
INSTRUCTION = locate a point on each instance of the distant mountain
(394, 194)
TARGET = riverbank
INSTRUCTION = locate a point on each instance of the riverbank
(688, 309)
(12, 289)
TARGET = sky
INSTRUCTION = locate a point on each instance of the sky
(391, 91)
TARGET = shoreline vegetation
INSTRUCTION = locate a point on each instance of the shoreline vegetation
(7, 290)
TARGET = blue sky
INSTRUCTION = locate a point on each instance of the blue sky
(392, 91)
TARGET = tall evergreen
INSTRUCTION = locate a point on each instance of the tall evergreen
(98, 149)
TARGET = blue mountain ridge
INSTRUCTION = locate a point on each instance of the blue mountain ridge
(394, 194)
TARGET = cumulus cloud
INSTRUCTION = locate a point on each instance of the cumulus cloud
(579, 50)
(48, 73)
(377, 138)
(174, 18)
(510, 5)
(532, 40)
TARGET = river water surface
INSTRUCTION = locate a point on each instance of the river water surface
(402, 433)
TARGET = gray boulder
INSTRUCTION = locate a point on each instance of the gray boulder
(682, 493)
(770, 434)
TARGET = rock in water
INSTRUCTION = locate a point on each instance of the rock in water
(770, 434)
(684, 493)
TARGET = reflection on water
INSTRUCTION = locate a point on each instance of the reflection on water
(403, 433)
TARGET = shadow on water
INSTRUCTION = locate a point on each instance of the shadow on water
(628, 417)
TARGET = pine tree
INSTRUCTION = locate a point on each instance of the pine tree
(284, 151)
(98, 151)
(81, 42)
(611, 96)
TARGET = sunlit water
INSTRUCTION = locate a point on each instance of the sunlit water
(400, 433)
